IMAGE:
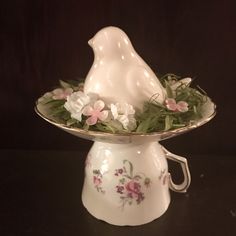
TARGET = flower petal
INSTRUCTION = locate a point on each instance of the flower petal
(47, 95)
(92, 120)
(75, 104)
(171, 104)
(88, 111)
(99, 105)
(126, 109)
(182, 106)
(124, 120)
(77, 116)
(68, 91)
(57, 91)
(132, 123)
(170, 101)
(58, 94)
(103, 115)
(183, 82)
(114, 111)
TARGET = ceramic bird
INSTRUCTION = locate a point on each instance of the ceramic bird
(118, 73)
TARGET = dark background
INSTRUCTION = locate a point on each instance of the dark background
(41, 167)
(43, 41)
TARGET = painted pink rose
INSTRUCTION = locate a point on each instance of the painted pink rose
(133, 188)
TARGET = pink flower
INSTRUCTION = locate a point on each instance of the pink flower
(97, 181)
(133, 189)
(95, 112)
(59, 93)
(171, 104)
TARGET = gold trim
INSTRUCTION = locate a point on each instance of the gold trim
(96, 134)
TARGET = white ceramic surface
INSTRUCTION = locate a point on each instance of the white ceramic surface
(124, 199)
(129, 183)
(118, 73)
(126, 175)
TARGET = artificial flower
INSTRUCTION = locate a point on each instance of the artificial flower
(61, 93)
(176, 83)
(76, 102)
(46, 97)
(95, 112)
(124, 113)
(180, 106)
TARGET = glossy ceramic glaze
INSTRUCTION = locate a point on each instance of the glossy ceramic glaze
(118, 73)
(124, 138)
(126, 175)
(129, 182)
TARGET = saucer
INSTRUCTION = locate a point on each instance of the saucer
(208, 112)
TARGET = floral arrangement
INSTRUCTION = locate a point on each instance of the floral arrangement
(71, 106)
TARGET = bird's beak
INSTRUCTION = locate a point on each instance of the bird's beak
(90, 42)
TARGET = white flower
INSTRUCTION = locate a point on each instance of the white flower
(183, 82)
(76, 102)
(61, 93)
(124, 113)
(45, 98)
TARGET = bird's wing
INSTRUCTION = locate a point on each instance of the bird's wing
(143, 84)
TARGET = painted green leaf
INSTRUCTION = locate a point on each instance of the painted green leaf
(122, 181)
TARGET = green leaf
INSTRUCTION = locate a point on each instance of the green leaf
(143, 127)
(169, 90)
(64, 84)
(70, 122)
(86, 126)
(56, 103)
(168, 122)
(178, 125)
(74, 83)
(155, 117)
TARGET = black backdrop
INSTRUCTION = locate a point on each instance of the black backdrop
(42, 41)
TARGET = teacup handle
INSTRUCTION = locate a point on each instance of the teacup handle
(181, 188)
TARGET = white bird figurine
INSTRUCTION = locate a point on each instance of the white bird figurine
(118, 73)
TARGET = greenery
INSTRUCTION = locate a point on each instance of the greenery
(155, 117)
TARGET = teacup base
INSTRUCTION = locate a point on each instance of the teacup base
(126, 184)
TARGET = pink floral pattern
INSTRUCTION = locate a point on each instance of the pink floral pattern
(131, 186)
(97, 181)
